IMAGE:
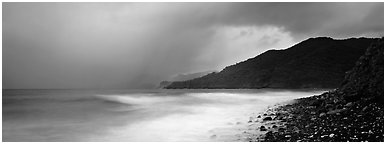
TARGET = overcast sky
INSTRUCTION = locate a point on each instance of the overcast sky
(137, 45)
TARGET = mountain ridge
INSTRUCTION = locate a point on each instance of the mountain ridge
(312, 63)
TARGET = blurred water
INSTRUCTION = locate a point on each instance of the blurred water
(134, 115)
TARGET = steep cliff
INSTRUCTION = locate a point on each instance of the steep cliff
(366, 78)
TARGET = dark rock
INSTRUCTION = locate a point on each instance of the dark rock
(348, 104)
(281, 130)
(250, 119)
(336, 111)
(278, 118)
(364, 109)
(295, 129)
(262, 128)
(267, 119)
(329, 106)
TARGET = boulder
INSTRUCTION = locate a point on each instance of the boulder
(262, 128)
(267, 119)
(365, 108)
(348, 104)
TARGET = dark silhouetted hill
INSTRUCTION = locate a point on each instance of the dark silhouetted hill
(354, 112)
(365, 80)
(314, 63)
(183, 77)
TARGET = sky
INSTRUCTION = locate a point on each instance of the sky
(138, 45)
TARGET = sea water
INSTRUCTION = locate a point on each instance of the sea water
(134, 115)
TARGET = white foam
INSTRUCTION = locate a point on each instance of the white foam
(136, 99)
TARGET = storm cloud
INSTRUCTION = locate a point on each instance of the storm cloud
(137, 45)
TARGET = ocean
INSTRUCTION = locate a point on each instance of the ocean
(135, 115)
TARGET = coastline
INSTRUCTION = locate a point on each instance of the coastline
(324, 118)
(262, 122)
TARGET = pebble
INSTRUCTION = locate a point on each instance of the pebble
(331, 135)
(348, 104)
(287, 136)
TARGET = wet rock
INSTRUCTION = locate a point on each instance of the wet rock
(274, 126)
(331, 135)
(259, 116)
(262, 128)
(267, 119)
(278, 117)
(281, 130)
(336, 111)
(348, 104)
(287, 136)
(328, 106)
(295, 129)
(250, 119)
(316, 103)
(365, 108)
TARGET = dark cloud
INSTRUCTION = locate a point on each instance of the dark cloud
(311, 18)
(136, 45)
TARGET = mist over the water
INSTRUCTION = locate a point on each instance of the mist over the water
(134, 115)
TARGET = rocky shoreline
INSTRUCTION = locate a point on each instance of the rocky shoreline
(354, 112)
(324, 118)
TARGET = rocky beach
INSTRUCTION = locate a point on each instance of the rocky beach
(354, 112)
